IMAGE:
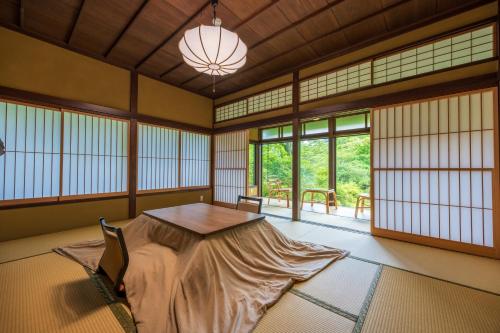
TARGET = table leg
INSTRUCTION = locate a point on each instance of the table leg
(312, 200)
(287, 200)
(302, 201)
(362, 205)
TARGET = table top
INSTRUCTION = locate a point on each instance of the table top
(203, 219)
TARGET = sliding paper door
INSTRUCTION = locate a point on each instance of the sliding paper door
(435, 171)
(231, 159)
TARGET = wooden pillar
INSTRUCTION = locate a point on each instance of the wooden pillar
(496, 217)
(332, 155)
(212, 155)
(258, 168)
(132, 156)
(296, 149)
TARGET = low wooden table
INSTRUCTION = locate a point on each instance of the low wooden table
(326, 193)
(203, 219)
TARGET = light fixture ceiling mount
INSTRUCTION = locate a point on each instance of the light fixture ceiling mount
(212, 49)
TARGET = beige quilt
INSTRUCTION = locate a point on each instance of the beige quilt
(178, 282)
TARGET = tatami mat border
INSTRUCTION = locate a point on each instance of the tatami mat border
(123, 317)
(429, 276)
(368, 300)
(27, 257)
(324, 305)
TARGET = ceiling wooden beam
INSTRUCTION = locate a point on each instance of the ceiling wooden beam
(70, 35)
(415, 25)
(249, 18)
(339, 29)
(282, 30)
(125, 29)
(172, 35)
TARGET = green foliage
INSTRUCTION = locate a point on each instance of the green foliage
(251, 164)
(314, 164)
(353, 166)
(276, 164)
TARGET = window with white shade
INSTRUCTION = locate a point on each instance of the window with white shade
(433, 164)
(95, 155)
(463, 48)
(335, 82)
(231, 159)
(30, 166)
(169, 158)
(158, 158)
(195, 159)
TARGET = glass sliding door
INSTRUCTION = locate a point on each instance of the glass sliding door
(277, 178)
(352, 169)
(313, 173)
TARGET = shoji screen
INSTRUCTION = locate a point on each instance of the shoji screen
(95, 154)
(231, 154)
(195, 160)
(30, 167)
(434, 168)
(157, 158)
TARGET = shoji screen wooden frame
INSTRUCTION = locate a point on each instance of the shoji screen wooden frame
(60, 197)
(230, 154)
(178, 134)
(493, 251)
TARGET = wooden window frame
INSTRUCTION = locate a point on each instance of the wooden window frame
(179, 188)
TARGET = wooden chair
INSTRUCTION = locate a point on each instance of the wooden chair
(276, 191)
(249, 206)
(361, 203)
(114, 260)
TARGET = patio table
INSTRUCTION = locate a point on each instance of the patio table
(327, 193)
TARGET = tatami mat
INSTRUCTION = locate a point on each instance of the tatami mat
(408, 302)
(293, 314)
(30, 246)
(344, 284)
(49, 293)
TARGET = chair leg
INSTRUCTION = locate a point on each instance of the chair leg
(312, 200)
(335, 202)
(356, 209)
(362, 205)
(327, 202)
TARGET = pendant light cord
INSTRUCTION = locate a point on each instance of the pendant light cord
(214, 6)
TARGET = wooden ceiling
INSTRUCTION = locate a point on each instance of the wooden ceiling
(280, 34)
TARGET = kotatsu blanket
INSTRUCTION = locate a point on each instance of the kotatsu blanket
(179, 282)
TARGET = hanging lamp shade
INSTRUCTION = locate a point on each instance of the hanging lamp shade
(213, 50)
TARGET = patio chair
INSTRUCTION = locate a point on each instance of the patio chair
(249, 204)
(361, 203)
(114, 260)
(276, 191)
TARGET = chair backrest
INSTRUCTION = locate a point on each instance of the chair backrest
(114, 260)
(249, 204)
(274, 184)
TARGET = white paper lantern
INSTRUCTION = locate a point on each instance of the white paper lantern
(213, 50)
